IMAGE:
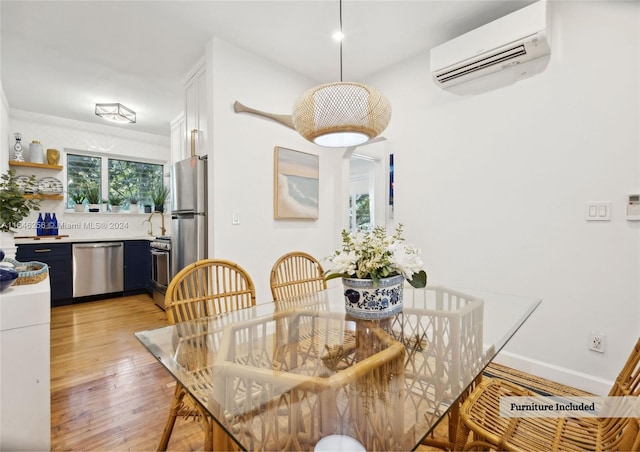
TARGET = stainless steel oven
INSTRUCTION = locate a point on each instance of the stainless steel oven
(160, 268)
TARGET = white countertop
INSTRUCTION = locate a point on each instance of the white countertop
(45, 239)
(25, 305)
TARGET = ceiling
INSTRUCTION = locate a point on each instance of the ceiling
(61, 57)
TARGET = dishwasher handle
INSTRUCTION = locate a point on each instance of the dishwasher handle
(100, 245)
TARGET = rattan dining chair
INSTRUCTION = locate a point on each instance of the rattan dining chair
(204, 288)
(296, 273)
(480, 416)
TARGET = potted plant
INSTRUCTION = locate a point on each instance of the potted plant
(133, 199)
(373, 267)
(92, 193)
(78, 197)
(14, 207)
(133, 202)
(159, 195)
(115, 200)
(147, 206)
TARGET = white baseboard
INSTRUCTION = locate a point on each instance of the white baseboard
(562, 375)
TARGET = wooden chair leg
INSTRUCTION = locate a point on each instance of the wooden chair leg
(176, 403)
(462, 436)
(207, 423)
(222, 441)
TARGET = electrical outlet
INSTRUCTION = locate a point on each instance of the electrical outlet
(596, 342)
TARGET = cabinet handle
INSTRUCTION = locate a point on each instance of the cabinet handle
(194, 132)
(43, 250)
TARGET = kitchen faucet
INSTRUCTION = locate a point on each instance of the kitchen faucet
(150, 231)
(163, 230)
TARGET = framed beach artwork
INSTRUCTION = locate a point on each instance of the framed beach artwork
(296, 185)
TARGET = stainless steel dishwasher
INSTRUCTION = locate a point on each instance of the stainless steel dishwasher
(97, 268)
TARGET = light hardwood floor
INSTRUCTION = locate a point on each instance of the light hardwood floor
(107, 392)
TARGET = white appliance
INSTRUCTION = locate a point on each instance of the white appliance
(188, 212)
(508, 42)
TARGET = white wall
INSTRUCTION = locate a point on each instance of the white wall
(241, 153)
(501, 180)
(60, 133)
(4, 122)
(5, 137)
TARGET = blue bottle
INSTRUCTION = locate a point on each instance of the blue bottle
(40, 225)
(47, 224)
(54, 225)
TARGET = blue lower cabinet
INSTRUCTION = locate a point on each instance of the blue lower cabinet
(58, 257)
(137, 266)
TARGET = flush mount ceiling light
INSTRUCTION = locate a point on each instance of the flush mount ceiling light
(116, 113)
(341, 114)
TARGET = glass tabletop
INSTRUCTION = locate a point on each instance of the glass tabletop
(284, 375)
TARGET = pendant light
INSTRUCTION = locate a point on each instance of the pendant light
(341, 114)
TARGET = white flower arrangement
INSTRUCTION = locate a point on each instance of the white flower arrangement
(376, 255)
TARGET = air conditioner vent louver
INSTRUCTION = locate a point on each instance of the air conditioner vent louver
(507, 44)
(483, 63)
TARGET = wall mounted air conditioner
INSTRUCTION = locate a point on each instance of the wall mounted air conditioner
(505, 43)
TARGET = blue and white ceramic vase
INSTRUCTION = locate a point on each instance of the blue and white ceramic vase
(18, 152)
(365, 300)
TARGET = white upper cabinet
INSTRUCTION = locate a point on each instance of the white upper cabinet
(178, 139)
(196, 112)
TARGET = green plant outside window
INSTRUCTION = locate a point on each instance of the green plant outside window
(82, 172)
(133, 180)
(127, 180)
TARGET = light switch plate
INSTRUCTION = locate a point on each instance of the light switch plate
(598, 211)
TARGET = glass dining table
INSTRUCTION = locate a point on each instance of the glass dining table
(284, 375)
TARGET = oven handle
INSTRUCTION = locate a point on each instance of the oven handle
(159, 253)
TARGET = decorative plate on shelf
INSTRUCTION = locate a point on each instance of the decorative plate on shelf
(23, 182)
(49, 185)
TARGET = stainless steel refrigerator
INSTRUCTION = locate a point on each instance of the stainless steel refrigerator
(188, 212)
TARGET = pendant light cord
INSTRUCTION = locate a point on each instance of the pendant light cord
(341, 39)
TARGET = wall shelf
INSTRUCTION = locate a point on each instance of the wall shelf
(35, 165)
(54, 197)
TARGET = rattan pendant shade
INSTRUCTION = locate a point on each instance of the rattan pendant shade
(341, 114)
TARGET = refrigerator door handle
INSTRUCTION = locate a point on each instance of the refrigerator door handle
(185, 213)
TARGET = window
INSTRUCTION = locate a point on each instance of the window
(128, 180)
(81, 170)
(124, 179)
(361, 193)
(360, 217)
